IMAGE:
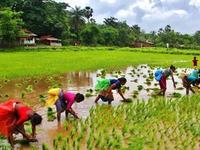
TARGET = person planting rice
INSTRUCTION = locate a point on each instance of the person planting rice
(191, 79)
(195, 61)
(63, 101)
(105, 87)
(161, 77)
(13, 114)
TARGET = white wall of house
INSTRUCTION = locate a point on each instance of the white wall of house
(55, 44)
(29, 41)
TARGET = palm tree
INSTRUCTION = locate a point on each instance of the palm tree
(112, 21)
(88, 12)
(77, 20)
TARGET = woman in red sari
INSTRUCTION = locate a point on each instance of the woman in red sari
(13, 114)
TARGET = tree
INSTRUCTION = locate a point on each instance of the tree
(112, 21)
(56, 20)
(77, 20)
(136, 31)
(45, 17)
(92, 20)
(124, 37)
(152, 36)
(168, 28)
(167, 36)
(10, 26)
(10, 3)
(90, 34)
(109, 36)
(197, 37)
(88, 11)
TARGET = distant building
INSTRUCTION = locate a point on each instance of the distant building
(141, 44)
(49, 40)
(27, 38)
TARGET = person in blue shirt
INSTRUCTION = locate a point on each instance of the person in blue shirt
(191, 79)
(105, 87)
(163, 80)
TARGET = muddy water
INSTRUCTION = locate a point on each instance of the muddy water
(31, 89)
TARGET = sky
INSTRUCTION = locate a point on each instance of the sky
(150, 15)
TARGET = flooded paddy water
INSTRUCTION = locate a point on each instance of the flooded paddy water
(33, 91)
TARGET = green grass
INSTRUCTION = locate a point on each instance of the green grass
(100, 48)
(32, 63)
(153, 124)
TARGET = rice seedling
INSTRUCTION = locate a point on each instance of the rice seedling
(6, 81)
(147, 83)
(59, 137)
(69, 81)
(29, 88)
(136, 80)
(133, 71)
(101, 73)
(128, 100)
(176, 95)
(135, 92)
(6, 95)
(147, 89)
(35, 81)
(50, 114)
(22, 95)
(4, 145)
(124, 89)
(55, 144)
(180, 88)
(144, 76)
(18, 85)
(45, 147)
(42, 98)
(89, 93)
(140, 87)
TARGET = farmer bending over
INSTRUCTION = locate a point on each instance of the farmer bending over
(13, 114)
(191, 79)
(105, 87)
(63, 101)
(161, 77)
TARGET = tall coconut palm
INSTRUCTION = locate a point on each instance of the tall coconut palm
(77, 20)
(88, 12)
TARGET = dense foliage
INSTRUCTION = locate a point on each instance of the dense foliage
(77, 26)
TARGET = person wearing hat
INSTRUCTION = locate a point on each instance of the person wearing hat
(163, 80)
(191, 79)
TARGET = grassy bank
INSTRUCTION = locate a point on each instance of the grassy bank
(18, 64)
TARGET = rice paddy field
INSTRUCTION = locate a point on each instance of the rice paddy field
(55, 61)
(145, 121)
